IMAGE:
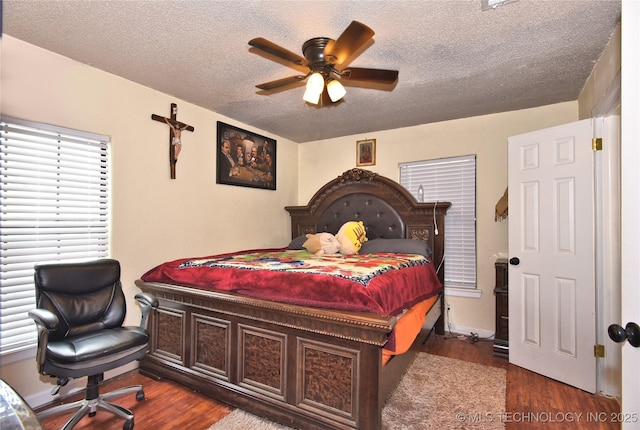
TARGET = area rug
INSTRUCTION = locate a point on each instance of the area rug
(435, 393)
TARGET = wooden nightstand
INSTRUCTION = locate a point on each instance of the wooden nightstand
(501, 338)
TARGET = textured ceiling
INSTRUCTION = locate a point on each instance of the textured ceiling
(454, 59)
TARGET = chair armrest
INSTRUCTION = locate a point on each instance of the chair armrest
(147, 299)
(46, 321)
(147, 302)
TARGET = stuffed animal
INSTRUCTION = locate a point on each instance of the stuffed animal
(351, 236)
(321, 243)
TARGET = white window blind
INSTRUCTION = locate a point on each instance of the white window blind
(450, 180)
(55, 208)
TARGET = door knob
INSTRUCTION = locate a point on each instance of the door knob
(514, 261)
(631, 333)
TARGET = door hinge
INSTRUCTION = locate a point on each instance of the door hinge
(596, 144)
(598, 351)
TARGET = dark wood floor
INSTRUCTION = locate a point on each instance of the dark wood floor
(533, 401)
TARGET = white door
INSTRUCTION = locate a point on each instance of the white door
(551, 232)
(630, 226)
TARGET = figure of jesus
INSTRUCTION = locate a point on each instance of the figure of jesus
(176, 140)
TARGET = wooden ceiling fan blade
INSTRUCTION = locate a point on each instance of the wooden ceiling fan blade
(352, 39)
(277, 50)
(382, 76)
(281, 82)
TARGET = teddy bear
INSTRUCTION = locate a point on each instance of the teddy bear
(321, 243)
(351, 236)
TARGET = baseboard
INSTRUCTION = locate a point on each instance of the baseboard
(457, 330)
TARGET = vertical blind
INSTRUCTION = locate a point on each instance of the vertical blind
(55, 208)
(450, 180)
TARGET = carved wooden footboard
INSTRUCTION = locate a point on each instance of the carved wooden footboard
(303, 367)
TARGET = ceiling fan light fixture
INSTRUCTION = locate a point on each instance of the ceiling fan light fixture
(335, 89)
(315, 83)
(315, 86)
(311, 96)
(325, 57)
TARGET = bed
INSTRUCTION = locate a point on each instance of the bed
(302, 364)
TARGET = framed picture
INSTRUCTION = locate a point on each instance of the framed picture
(244, 158)
(366, 152)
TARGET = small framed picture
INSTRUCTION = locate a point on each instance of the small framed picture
(366, 152)
(245, 158)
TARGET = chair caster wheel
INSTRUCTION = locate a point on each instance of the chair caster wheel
(128, 425)
(140, 395)
(92, 414)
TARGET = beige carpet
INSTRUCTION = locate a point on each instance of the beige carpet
(435, 393)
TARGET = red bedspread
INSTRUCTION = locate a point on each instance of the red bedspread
(382, 283)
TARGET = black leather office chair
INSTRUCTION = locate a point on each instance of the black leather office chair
(79, 315)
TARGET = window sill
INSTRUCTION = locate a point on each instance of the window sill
(472, 293)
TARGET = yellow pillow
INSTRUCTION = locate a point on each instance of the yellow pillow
(351, 236)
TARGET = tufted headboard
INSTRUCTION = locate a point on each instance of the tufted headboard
(387, 210)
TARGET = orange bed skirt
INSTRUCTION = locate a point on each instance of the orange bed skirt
(408, 327)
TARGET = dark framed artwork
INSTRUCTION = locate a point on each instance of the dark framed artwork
(244, 158)
(366, 152)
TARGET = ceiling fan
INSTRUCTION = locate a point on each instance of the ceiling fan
(324, 58)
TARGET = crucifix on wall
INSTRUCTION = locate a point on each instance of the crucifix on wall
(175, 135)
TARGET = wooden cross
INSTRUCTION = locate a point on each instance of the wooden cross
(175, 135)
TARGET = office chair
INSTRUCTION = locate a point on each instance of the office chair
(79, 316)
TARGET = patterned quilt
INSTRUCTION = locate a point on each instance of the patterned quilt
(354, 268)
(383, 283)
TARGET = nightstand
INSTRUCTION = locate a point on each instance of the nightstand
(501, 291)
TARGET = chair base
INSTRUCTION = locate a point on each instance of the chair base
(90, 406)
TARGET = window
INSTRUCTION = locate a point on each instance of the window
(450, 180)
(54, 208)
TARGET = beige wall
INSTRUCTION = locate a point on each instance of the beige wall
(485, 136)
(154, 218)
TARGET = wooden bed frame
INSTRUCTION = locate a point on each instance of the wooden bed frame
(304, 367)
